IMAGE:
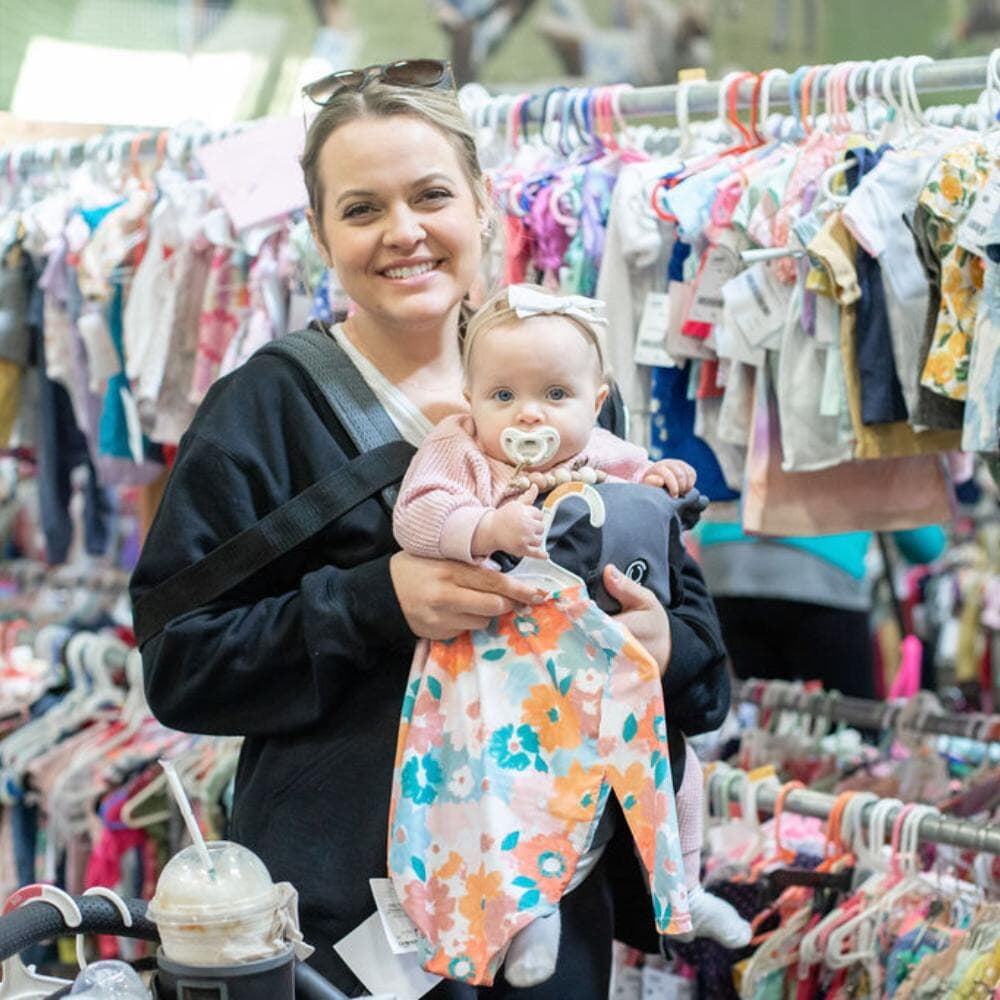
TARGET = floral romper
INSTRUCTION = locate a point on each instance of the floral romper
(511, 739)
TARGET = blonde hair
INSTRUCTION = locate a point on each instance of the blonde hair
(438, 108)
(497, 311)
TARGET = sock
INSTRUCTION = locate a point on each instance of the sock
(531, 957)
(712, 917)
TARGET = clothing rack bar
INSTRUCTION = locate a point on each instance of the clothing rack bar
(966, 73)
(932, 829)
(868, 714)
(116, 144)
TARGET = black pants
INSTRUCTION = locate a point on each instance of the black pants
(792, 640)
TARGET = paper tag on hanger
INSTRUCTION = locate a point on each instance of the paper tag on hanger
(649, 343)
(384, 973)
(979, 218)
(758, 303)
(400, 930)
(721, 264)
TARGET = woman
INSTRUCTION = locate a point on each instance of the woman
(308, 658)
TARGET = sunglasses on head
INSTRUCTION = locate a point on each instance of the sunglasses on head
(428, 73)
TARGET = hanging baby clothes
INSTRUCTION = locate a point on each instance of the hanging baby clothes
(520, 802)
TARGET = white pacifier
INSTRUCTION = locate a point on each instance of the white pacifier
(530, 448)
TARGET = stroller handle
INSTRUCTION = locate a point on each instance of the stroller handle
(32, 923)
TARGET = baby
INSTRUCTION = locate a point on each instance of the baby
(535, 381)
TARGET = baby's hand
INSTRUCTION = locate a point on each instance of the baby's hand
(675, 476)
(516, 528)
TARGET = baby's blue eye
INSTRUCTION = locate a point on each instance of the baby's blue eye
(557, 392)
(503, 395)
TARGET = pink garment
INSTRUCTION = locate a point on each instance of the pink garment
(690, 818)
(451, 484)
(218, 322)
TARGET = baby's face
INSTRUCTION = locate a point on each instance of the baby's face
(534, 372)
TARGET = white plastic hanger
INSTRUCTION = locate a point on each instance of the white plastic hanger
(544, 572)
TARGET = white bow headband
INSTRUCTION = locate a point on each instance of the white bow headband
(526, 301)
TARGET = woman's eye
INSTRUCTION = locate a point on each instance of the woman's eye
(503, 395)
(436, 194)
(356, 211)
(557, 392)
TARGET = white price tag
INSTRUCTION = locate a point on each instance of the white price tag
(977, 222)
(650, 346)
(721, 264)
(400, 930)
(758, 302)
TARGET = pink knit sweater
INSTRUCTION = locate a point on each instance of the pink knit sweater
(451, 484)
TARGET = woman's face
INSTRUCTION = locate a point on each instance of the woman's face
(400, 222)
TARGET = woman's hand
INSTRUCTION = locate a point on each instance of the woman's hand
(642, 614)
(441, 598)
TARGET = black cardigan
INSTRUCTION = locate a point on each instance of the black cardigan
(308, 659)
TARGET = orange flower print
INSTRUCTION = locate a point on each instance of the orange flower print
(546, 864)
(634, 788)
(576, 794)
(480, 888)
(951, 188)
(958, 346)
(452, 866)
(433, 904)
(534, 631)
(550, 715)
(453, 656)
(940, 368)
(643, 662)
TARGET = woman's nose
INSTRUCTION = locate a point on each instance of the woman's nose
(404, 228)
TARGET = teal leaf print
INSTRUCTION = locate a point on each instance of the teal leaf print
(418, 866)
(408, 703)
(434, 686)
(541, 766)
(510, 841)
(564, 686)
(550, 666)
(529, 899)
(523, 882)
(660, 772)
(494, 654)
(630, 728)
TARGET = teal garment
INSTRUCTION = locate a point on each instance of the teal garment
(846, 551)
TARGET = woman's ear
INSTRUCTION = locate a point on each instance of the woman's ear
(317, 236)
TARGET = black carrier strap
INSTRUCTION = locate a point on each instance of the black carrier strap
(379, 467)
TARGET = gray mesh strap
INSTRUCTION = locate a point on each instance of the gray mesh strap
(319, 355)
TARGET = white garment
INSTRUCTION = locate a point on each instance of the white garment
(403, 412)
(636, 253)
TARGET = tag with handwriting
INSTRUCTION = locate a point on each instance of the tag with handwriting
(650, 348)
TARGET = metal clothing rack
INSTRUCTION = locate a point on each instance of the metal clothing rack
(20, 161)
(931, 829)
(867, 714)
(702, 97)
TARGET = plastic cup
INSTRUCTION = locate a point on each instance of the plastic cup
(206, 921)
